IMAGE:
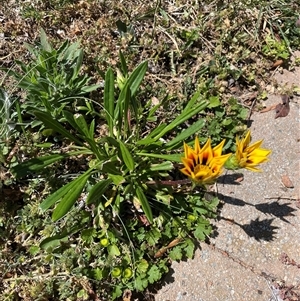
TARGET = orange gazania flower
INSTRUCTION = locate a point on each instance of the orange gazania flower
(203, 165)
(247, 156)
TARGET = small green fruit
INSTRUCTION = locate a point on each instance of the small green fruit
(127, 273)
(191, 217)
(116, 272)
(104, 242)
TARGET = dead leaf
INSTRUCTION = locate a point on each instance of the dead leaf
(172, 244)
(283, 109)
(127, 295)
(227, 22)
(286, 181)
(239, 180)
(268, 109)
(154, 100)
(277, 63)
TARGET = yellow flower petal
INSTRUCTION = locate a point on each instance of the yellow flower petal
(203, 165)
(248, 156)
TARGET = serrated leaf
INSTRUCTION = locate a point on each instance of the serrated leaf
(140, 283)
(153, 236)
(176, 253)
(203, 230)
(189, 248)
(142, 266)
(154, 274)
(117, 292)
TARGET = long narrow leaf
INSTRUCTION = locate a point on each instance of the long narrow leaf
(82, 125)
(70, 198)
(78, 64)
(191, 130)
(123, 63)
(126, 156)
(53, 124)
(173, 157)
(126, 113)
(36, 164)
(136, 77)
(109, 99)
(182, 118)
(97, 191)
(61, 192)
(145, 204)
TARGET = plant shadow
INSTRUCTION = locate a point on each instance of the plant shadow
(260, 229)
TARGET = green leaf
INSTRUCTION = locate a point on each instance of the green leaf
(176, 253)
(117, 292)
(91, 88)
(97, 191)
(142, 266)
(144, 202)
(214, 101)
(70, 197)
(189, 248)
(140, 283)
(154, 274)
(78, 64)
(44, 42)
(203, 229)
(98, 273)
(82, 125)
(191, 130)
(113, 250)
(126, 156)
(173, 157)
(123, 63)
(36, 164)
(111, 167)
(137, 77)
(192, 101)
(53, 124)
(117, 179)
(153, 236)
(167, 165)
(54, 242)
(126, 115)
(57, 195)
(185, 115)
(109, 99)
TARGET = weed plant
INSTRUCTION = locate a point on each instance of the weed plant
(97, 204)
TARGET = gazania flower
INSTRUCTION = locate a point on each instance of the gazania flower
(203, 165)
(247, 156)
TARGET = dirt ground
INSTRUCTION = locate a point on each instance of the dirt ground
(255, 253)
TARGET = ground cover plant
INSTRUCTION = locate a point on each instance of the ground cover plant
(96, 116)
